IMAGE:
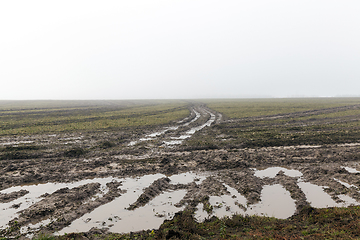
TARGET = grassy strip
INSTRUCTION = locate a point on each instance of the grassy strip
(310, 223)
(91, 119)
(240, 108)
(326, 126)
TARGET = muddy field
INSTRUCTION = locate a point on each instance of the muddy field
(133, 179)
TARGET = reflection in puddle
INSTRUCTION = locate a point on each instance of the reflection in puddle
(272, 171)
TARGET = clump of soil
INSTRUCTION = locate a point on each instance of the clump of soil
(8, 197)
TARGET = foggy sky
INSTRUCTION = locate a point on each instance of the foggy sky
(153, 49)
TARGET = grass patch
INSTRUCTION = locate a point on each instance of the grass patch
(54, 117)
(241, 108)
(310, 223)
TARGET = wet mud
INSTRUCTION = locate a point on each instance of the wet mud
(149, 175)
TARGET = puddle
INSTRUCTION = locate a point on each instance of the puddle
(317, 198)
(152, 136)
(351, 170)
(117, 218)
(227, 205)
(200, 214)
(155, 134)
(275, 202)
(178, 140)
(345, 184)
(16, 143)
(29, 229)
(188, 134)
(188, 177)
(35, 191)
(272, 171)
(348, 200)
(197, 116)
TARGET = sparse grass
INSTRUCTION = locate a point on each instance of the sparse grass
(241, 108)
(296, 123)
(53, 117)
(310, 223)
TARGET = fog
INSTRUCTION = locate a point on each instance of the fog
(179, 49)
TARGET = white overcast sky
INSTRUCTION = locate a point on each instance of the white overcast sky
(150, 49)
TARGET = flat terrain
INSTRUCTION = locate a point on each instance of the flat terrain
(97, 164)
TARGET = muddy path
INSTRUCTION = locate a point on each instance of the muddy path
(124, 182)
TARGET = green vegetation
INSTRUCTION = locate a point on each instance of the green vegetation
(37, 117)
(310, 223)
(289, 122)
(240, 108)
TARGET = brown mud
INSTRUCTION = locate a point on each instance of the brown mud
(67, 158)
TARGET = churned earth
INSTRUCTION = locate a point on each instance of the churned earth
(122, 182)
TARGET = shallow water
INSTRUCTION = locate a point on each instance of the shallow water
(153, 135)
(275, 202)
(188, 134)
(188, 177)
(150, 216)
(351, 170)
(35, 191)
(272, 171)
(345, 184)
(317, 198)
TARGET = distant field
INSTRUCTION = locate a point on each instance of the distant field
(240, 108)
(290, 122)
(34, 117)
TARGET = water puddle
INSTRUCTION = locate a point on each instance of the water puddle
(345, 184)
(188, 134)
(117, 218)
(351, 170)
(188, 177)
(227, 205)
(272, 171)
(197, 116)
(317, 198)
(16, 143)
(178, 140)
(275, 202)
(8, 212)
(31, 228)
(201, 214)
